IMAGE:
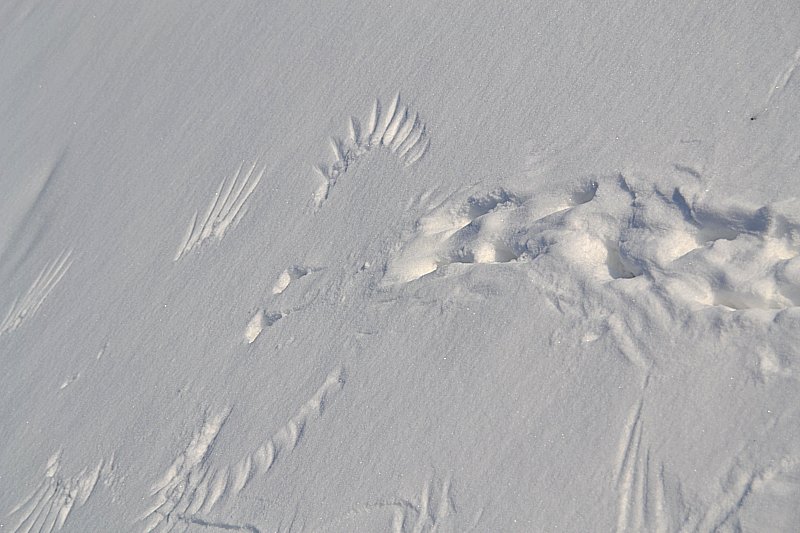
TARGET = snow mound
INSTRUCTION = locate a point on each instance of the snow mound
(691, 248)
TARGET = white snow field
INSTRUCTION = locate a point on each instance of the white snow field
(411, 268)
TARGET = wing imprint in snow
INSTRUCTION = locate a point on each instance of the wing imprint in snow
(225, 209)
(751, 493)
(48, 507)
(26, 305)
(395, 128)
(641, 502)
(184, 478)
(779, 84)
(192, 487)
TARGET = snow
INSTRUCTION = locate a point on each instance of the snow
(411, 268)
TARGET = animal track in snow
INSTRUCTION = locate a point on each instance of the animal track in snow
(224, 211)
(395, 128)
(288, 276)
(710, 253)
(26, 305)
(49, 506)
(192, 486)
(258, 322)
(263, 319)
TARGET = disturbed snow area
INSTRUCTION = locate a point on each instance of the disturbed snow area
(407, 268)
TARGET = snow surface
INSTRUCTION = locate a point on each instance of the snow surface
(420, 267)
